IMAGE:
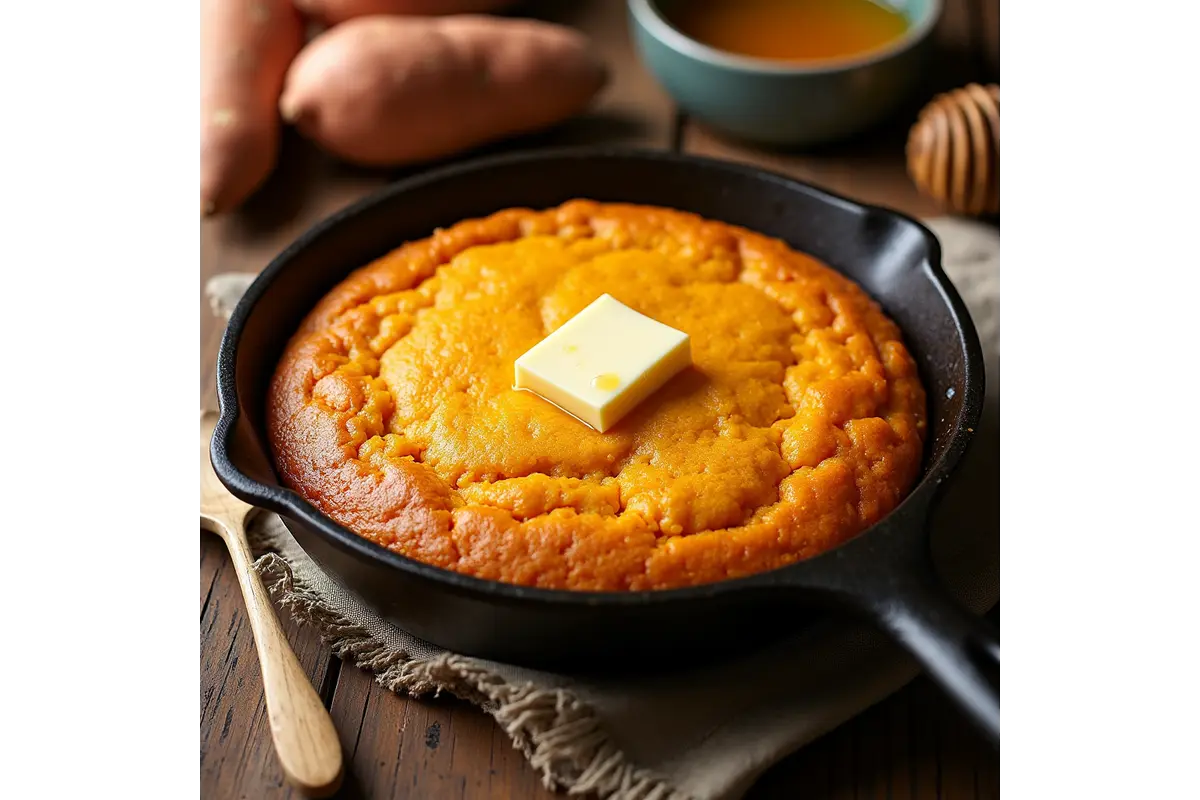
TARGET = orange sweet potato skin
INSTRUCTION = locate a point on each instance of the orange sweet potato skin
(395, 90)
(246, 47)
(332, 12)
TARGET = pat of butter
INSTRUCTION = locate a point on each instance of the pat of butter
(603, 361)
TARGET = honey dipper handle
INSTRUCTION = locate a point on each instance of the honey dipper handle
(305, 740)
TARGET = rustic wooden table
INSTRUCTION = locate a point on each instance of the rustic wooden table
(913, 745)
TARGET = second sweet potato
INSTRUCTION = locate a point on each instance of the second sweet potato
(393, 90)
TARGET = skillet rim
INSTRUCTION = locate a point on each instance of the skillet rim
(290, 504)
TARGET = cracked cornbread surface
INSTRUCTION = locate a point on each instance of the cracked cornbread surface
(799, 424)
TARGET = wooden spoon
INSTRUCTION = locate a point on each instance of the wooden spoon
(305, 739)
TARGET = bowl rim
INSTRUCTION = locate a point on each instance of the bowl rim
(652, 20)
(290, 505)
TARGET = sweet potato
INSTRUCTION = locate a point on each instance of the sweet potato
(394, 90)
(332, 12)
(246, 47)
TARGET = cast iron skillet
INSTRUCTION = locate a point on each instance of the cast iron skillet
(883, 574)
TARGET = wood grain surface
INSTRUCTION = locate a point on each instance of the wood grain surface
(912, 745)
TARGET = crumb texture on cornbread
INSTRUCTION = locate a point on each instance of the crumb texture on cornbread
(800, 423)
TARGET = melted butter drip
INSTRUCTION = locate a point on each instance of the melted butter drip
(606, 382)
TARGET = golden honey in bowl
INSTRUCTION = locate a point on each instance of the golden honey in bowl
(789, 30)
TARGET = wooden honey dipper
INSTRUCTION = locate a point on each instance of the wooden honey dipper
(954, 150)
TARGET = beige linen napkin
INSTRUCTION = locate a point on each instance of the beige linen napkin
(705, 733)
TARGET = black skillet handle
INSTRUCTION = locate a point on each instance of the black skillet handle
(960, 651)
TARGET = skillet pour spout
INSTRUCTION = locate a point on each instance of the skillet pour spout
(883, 573)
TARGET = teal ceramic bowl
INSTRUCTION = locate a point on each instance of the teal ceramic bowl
(779, 103)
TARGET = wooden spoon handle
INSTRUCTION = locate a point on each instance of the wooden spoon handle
(305, 739)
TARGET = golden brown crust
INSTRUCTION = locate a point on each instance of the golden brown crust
(801, 423)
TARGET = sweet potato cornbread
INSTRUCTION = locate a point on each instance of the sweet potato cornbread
(799, 424)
